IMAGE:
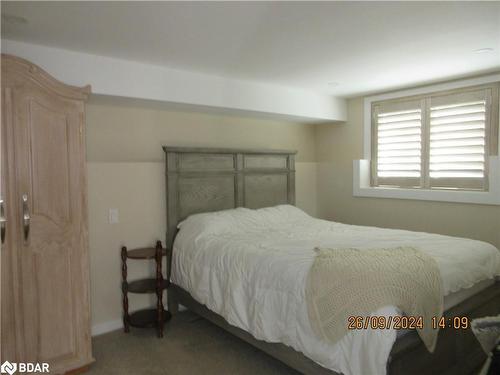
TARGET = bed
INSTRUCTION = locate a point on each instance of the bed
(201, 180)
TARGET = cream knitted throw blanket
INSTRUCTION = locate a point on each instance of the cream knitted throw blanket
(345, 283)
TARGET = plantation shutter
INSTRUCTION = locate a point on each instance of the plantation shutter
(458, 144)
(397, 143)
(436, 141)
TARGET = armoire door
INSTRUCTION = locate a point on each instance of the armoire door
(10, 347)
(49, 265)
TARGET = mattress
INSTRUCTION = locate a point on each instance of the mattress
(250, 267)
(457, 297)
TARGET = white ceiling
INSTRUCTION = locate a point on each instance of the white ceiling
(364, 46)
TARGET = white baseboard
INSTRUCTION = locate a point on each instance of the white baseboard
(101, 328)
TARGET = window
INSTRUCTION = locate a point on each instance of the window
(436, 141)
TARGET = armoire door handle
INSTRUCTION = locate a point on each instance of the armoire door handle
(26, 217)
(3, 221)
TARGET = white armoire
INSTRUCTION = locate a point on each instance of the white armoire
(44, 257)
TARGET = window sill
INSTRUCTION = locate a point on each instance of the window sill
(362, 188)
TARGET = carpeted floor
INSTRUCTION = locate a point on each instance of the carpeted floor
(191, 346)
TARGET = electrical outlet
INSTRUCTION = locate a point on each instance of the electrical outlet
(113, 216)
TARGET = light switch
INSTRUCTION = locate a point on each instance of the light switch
(113, 216)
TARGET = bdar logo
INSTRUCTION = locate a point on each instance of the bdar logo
(8, 368)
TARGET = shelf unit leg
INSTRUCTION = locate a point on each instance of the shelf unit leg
(159, 287)
(126, 327)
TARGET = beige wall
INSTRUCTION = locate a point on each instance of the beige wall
(337, 145)
(126, 171)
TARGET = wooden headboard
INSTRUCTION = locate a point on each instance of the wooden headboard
(213, 179)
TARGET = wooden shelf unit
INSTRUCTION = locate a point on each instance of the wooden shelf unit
(144, 286)
(155, 317)
(147, 318)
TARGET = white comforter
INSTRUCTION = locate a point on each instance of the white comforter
(250, 266)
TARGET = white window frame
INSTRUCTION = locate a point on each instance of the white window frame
(362, 168)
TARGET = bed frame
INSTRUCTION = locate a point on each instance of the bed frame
(212, 179)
